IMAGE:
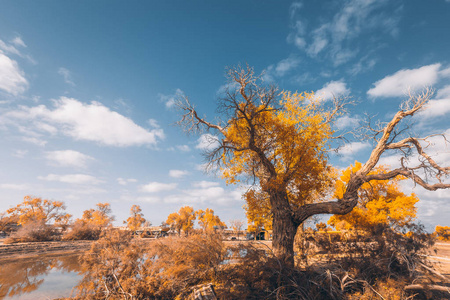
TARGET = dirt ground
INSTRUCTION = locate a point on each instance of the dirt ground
(440, 257)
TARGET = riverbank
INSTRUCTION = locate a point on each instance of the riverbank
(11, 252)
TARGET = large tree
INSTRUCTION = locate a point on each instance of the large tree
(280, 142)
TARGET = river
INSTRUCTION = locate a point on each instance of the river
(39, 277)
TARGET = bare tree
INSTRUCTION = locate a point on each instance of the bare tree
(278, 159)
(236, 225)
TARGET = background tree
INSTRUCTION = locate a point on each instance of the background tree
(207, 220)
(37, 210)
(91, 224)
(380, 203)
(182, 220)
(280, 142)
(136, 220)
(237, 226)
(258, 212)
(443, 233)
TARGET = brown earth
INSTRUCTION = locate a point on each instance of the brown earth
(11, 252)
(440, 257)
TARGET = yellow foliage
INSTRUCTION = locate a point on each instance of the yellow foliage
(182, 220)
(37, 210)
(207, 220)
(293, 137)
(443, 233)
(380, 202)
(257, 210)
(101, 216)
(135, 221)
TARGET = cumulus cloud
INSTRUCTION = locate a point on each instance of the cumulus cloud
(12, 78)
(68, 158)
(155, 187)
(90, 122)
(333, 89)
(178, 173)
(71, 178)
(67, 75)
(399, 83)
(438, 107)
(207, 142)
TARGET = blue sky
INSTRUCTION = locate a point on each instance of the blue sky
(86, 90)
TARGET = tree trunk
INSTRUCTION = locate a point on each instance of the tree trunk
(284, 230)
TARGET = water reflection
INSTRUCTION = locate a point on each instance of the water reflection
(39, 277)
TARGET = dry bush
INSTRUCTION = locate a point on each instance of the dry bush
(82, 231)
(36, 231)
(119, 267)
(381, 263)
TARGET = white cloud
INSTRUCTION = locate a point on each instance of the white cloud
(227, 87)
(184, 148)
(178, 173)
(7, 48)
(336, 36)
(18, 42)
(347, 122)
(281, 68)
(170, 100)
(333, 89)
(125, 181)
(91, 122)
(153, 123)
(71, 178)
(68, 158)
(154, 187)
(207, 142)
(12, 79)
(352, 148)
(205, 184)
(286, 65)
(67, 75)
(435, 108)
(34, 140)
(399, 83)
(443, 92)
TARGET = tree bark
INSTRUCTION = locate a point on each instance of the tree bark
(284, 229)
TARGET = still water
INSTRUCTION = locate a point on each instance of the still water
(42, 277)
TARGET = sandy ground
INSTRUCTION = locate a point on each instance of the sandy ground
(440, 257)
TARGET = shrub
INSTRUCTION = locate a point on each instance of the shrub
(82, 231)
(36, 231)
